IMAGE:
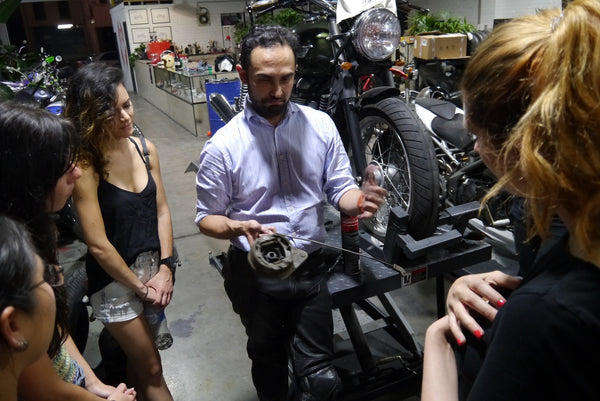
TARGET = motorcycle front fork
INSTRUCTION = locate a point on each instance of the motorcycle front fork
(354, 136)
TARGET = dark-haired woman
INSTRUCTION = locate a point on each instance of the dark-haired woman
(37, 175)
(27, 306)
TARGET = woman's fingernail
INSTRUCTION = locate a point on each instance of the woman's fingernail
(460, 342)
(500, 303)
(478, 334)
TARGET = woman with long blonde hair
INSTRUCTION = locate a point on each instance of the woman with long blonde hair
(532, 98)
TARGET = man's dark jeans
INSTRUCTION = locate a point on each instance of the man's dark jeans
(284, 319)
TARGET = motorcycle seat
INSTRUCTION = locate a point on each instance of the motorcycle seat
(452, 131)
(440, 108)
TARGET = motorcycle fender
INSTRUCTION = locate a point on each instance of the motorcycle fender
(378, 93)
(425, 115)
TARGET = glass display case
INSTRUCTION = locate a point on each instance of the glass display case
(187, 86)
(181, 95)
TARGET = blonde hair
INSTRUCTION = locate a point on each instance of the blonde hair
(534, 87)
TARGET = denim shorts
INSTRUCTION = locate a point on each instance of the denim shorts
(117, 303)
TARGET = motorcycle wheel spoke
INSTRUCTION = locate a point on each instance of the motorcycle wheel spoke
(390, 158)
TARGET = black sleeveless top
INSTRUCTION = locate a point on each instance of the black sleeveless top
(131, 223)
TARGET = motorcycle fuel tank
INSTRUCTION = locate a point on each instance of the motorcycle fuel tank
(315, 50)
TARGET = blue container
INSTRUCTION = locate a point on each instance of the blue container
(230, 88)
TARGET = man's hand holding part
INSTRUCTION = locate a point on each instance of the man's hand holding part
(373, 195)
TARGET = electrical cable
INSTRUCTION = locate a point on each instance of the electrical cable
(364, 255)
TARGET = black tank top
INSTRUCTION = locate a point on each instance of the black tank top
(131, 223)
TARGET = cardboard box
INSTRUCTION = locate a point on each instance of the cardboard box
(446, 46)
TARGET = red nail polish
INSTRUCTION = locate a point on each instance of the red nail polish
(460, 342)
(478, 334)
(500, 303)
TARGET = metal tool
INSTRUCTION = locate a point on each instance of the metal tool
(274, 256)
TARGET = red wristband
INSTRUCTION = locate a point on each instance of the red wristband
(361, 203)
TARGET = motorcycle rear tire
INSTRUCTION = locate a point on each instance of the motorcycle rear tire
(394, 140)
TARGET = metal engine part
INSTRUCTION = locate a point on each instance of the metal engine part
(273, 256)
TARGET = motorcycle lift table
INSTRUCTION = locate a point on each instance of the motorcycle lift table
(382, 356)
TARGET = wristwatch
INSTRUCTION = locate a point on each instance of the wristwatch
(170, 263)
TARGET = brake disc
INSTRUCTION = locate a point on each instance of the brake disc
(273, 255)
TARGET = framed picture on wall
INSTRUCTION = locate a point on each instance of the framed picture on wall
(140, 35)
(138, 17)
(163, 32)
(160, 15)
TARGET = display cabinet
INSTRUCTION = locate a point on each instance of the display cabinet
(186, 86)
(180, 95)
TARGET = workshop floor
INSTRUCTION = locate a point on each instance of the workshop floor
(208, 361)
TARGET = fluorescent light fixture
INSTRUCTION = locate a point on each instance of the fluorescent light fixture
(64, 26)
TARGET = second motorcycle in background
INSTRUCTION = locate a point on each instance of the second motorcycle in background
(464, 177)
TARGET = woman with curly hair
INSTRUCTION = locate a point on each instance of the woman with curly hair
(532, 94)
(126, 222)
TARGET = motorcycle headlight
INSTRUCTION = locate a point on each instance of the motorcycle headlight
(377, 33)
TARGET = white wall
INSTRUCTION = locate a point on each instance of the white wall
(482, 13)
(182, 23)
(118, 16)
(187, 30)
(515, 8)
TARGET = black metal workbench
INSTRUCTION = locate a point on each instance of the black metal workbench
(383, 356)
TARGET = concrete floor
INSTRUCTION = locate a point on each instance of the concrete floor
(208, 361)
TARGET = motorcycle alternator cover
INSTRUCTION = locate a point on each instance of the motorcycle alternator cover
(274, 256)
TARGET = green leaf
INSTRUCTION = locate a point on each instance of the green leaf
(442, 21)
(7, 7)
(5, 92)
(285, 17)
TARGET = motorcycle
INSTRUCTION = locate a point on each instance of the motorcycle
(13, 62)
(463, 175)
(44, 86)
(18, 82)
(339, 48)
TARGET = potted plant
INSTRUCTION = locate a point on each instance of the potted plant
(286, 17)
(442, 21)
(139, 53)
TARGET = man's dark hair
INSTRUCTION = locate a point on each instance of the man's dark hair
(267, 36)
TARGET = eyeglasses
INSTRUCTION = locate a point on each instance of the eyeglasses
(53, 275)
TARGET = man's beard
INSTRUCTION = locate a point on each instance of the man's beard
(268, 111)
(272, 111)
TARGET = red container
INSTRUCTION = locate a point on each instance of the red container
(157, 47)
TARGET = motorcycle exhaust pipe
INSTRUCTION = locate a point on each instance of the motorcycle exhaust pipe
(221, 106)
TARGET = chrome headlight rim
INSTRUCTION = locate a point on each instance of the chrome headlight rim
(383, 44)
